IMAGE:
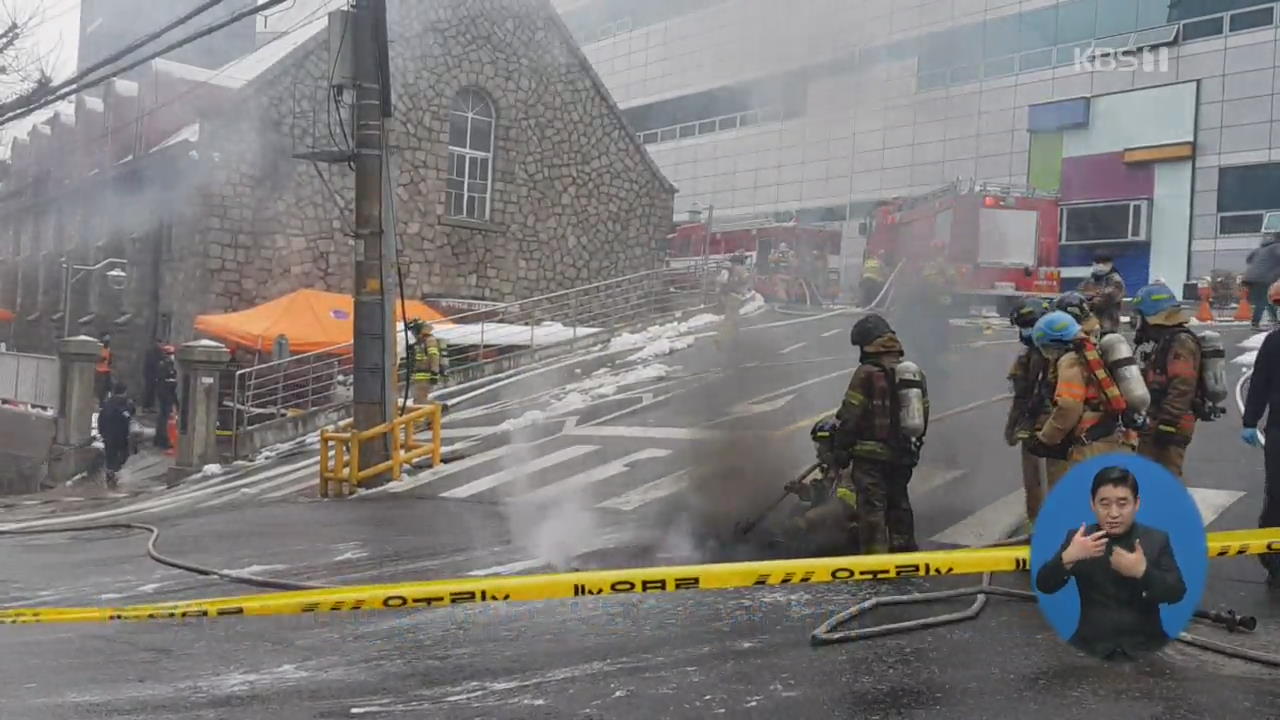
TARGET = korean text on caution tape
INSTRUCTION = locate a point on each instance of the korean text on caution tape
(526, 588)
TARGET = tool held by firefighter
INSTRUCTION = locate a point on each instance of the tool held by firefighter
(742, 529)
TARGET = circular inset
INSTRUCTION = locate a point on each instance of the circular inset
(1118, 556)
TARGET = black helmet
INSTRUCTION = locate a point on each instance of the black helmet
(1075, 305)
(1028, 312)
(868, 329)
(825, 429)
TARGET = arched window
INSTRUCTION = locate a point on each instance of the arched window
(471, 121)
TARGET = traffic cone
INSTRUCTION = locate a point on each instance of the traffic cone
(1205, 313)
(172, 430)
(1244, 311)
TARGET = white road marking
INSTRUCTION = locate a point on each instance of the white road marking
(986, 525)
(1212, 503)
(313, 481)
(259, 489)
(788, 349)
(594, 475)
(745, 409)
(426, 476)
(829, 333)
(648, 492)
(922, 483)
(464, 432)
(508, 568)
(491, 481)
(646, 432)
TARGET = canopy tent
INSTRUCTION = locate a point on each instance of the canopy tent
(6, 316)
(312, 320)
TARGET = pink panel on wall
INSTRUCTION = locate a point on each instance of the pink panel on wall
(1105, 177)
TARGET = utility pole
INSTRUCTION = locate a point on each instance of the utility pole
(372, 404)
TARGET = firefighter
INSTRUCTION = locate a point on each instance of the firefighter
(1077, 306)
(1170, 357)
(1088, 406)
(166, 394)
(423, 361)
(1105, 291)
(829, 524)
(102, 370)
(1030, 379)
(883, 419)
(872, 280)
(735, 283)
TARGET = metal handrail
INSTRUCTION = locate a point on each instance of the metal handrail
(502, 332)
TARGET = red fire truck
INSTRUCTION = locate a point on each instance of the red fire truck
(815, 256)
(1001, 241)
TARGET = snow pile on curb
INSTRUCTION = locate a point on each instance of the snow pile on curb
(601, 384)
(661, 340)
(1246, 360)
(752, 306)
(208, 471)
(533, 417)
(1255, 341)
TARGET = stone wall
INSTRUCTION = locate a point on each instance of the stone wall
(575, 198)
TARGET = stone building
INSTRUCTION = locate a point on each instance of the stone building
(513, 170)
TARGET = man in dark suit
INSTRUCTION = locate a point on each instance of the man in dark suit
(1124, 571)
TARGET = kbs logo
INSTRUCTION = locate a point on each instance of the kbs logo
(1122, 59)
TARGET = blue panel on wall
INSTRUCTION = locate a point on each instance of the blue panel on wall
(1133, 260)
(1061, 115)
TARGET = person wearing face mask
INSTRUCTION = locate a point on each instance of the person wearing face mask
(1030, 381)
(1088, 406)
(1124, 572)
(1104, 289)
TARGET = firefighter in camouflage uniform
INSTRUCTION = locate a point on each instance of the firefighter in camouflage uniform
(1105, 291)
(1170, 357)
(1032, 385)
(870, 442)
(830, 523)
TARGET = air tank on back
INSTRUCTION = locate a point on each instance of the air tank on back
(911, 401)
(1124, 369)
(1213, 366)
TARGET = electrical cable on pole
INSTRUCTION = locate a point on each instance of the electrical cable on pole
(80, 86)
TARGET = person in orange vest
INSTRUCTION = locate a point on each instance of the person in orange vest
(102, 371)
(166, 395)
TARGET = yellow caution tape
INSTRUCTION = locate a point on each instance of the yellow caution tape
(526, 588)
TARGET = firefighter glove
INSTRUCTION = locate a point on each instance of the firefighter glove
(1251, 436)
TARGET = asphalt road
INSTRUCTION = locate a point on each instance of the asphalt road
(623, 474)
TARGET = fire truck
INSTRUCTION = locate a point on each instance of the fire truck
(1001, 241)
(811, 276)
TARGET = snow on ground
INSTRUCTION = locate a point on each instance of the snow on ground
(1255, 341)
(208, 471)
(254, 569)
(1246, 360)
(661, 339)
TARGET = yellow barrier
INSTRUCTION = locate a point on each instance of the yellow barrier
(525, 588)
(340, 449)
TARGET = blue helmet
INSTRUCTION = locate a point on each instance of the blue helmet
(1154, 299)
(1055, 328)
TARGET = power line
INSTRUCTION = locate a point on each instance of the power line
(196, 87)
(120, 54)
(209, 30)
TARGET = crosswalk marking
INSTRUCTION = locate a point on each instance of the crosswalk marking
(268, 484)
(523, 469)
(648, 492)
(312, 480)
(987, 525)
(789, 348)
(649, 433)
(409, 483)
(508, 568)
(594, 475)
(1212, 502)
(924, 482)
(829, 333)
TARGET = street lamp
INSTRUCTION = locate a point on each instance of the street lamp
(117, 279)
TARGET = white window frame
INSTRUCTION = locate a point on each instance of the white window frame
(1218, 226)
(466, 152)
(1141, 206)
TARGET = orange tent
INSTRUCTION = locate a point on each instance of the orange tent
(6, 315)
(312, 320)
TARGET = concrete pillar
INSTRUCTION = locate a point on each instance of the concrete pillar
(77, 357)
(200, 366)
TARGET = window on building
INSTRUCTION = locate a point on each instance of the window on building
(1152, 13)
(1189, 9)
(1001, 37)
(1249, 188)
(1200, 29)
(1240, 223)
(1124, 221)
(1117, 16)
(1077, 21)
(471, 123)
(1251, 19)
(1038, 29)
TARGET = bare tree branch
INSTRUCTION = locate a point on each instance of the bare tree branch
(25, 70)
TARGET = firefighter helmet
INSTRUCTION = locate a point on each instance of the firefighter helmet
(1154, 299)
(1074, 304)
(1026, 314)
(868, 329)
(1057, 328)
(825, 429)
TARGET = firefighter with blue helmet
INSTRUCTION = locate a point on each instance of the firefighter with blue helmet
(1032, 385)
(1086, 417)
(1170, 356)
